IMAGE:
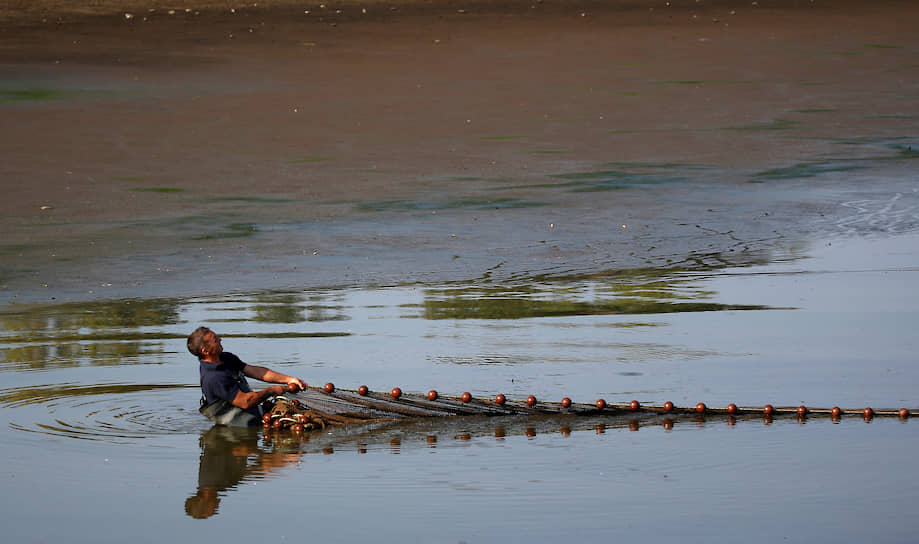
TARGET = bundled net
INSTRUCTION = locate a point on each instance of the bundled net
(316, 408)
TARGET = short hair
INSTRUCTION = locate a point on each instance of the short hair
(196, 341)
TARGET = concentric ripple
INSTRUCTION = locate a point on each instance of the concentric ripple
(114, 413)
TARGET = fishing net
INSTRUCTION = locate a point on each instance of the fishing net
(331, 406)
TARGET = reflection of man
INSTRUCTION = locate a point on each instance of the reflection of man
(227, 398)
(228, 455)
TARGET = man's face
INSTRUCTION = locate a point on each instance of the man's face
(214, 347)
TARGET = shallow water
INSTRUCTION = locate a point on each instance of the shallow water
(101, 428)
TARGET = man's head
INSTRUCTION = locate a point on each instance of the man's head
(202, 504)
(203, 343)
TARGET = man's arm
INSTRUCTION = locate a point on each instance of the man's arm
(248, 400)
(270, 376)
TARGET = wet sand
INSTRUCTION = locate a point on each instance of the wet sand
(214, 150)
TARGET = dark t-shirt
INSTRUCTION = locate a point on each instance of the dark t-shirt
(225, 380)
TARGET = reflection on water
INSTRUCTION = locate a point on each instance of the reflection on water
(95, 333)
(42, 337)
(230, 458)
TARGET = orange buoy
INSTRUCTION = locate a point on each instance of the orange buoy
(601, 404)
(802, 410)
(903, 413)
(732, 408)
(329, 387)
(467, 396)
(432, 395)
(634, 405)
(836, 411)
(700, 408)
(566, 402)
(362, 390)
(293, 388)
(768, 410)
(396, 392)
(531, 401)
(500, 399)
(668, 406)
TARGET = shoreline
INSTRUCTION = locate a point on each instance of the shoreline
(264, 151)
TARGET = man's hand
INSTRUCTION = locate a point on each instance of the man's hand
(278, 390)
(296, 384)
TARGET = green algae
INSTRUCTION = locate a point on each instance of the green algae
(807, 170)
(309, 160)
(612, 180)
(771, 125)
(233, 230)
(163, 190)
(255, 199)
(467, 203)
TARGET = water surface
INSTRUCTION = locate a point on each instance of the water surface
(101, 429)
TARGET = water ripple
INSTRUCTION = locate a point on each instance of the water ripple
(114, 413)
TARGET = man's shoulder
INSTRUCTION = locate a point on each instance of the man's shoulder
(231, 360)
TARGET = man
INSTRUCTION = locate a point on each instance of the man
(227, 398)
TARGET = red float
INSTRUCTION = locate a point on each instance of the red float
(903, 413)
(531, 401)
(566, 402)
(634, 405)
(668, 406)
(768, 410)
(277, 424)
(329, 387)
(802, 410)
(836, 411)
(432, 395)
(396, 392)
(362, 390)
(298, 428)
(732, 408)
(700, 408)
(499, 399)
(267, 418)
(467, 396)
(868, 413)
(601, 404)
(293, 388)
